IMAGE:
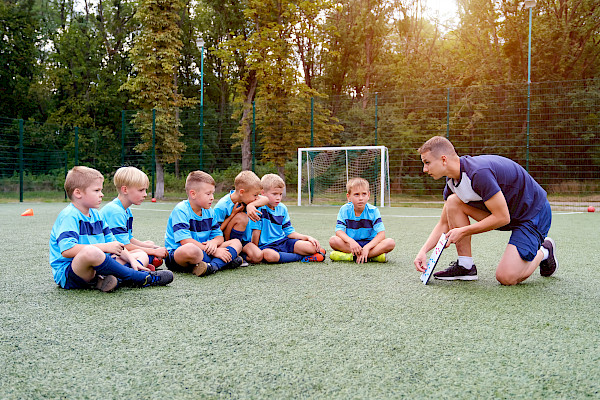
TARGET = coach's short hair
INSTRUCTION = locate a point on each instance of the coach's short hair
(272, 181)
(438, 145)
(356, 182)
(80, 177)
(247, 180)
(131, 177)
(194, 178)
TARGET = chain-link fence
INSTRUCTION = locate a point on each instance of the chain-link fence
(555, 135)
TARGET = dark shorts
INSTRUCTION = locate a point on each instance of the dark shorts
(74, 281)
(528, 236)
(285, 245)
(363, 242)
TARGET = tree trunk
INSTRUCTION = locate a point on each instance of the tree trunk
(160, 181)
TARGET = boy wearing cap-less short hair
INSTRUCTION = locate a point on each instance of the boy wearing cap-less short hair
(193, 238)
(83, 252)
(359, 231)
(274, 234)
(131, 184)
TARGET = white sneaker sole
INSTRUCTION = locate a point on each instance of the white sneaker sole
(457, 278)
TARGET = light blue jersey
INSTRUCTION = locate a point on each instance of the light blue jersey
(273, 224)
(223, 209)
(364, 227)
(70, 228)
(184, 223)
(119, 220)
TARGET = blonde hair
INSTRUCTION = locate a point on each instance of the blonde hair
(196, 177)
(247, 180)
(270, 181)
(438, 145)
(356, 182)
(130, 176)
(81, 177)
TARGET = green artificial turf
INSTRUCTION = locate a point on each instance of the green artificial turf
(303, 330)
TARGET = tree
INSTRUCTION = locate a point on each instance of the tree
(155, 55)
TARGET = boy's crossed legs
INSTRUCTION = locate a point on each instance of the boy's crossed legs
(383, 247)
(290, 250)
(190, 258)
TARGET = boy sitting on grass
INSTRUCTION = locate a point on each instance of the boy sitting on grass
(274, 234)
(232, 218)
(193, 238)
(81, 244)
(359, 231)
(131, 184)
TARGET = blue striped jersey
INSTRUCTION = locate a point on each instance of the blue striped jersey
(70, 228)
(119, 220)
(274, 224)
(365, 226)
(184, 223)
(223, 209)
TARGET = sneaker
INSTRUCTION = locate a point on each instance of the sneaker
(200, 269)
(457, 272)
(322, 251)
(380, 258)
(106, 283)
(157, 262)
(549, 265)
(210, 269)
(158, 278)
(244, 263)
(317, 257)
(233, 264)
(341, 256)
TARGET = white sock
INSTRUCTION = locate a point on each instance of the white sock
(465, 262)
(546, 253)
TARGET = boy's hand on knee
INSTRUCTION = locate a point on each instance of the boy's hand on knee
(210, 248)
(114, 247)
(223, 254)
(355, 248)
(314, 242)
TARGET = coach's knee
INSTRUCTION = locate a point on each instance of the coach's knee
(453, 203)
(507, 278)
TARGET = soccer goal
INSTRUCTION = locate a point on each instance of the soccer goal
(324, 171)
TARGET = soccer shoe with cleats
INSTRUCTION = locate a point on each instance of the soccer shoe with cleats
(380, 258)
(317, 257)
(106, 283)
(200, 269)
(549, 265)
(158, 278)
(235, 263)
(341, 256)
(457, 272)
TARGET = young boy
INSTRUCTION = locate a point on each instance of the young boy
(499, 194)
(131, 184)
(274, 234)
(230, 214)
(359, 231)
(193, 238)
(80, 239)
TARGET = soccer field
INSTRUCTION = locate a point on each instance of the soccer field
(303, 330)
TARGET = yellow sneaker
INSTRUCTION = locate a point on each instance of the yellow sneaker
(341, 256)
(380, 258)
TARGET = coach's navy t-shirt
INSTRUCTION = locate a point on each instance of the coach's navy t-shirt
(481, 177)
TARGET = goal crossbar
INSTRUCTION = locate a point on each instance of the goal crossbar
(383, 167)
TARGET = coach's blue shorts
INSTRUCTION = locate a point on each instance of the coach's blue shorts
(528, 236)
(74, 281)
(285, 245)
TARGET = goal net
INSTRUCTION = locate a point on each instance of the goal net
(324, 171)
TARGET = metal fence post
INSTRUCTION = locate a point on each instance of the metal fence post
(76, 145)
(21, 160)
(448, 114)
(122, 137)
(201, 154)
(253, 136)
(66, 169)
(153, 149)
(312, 122)
(376, 119)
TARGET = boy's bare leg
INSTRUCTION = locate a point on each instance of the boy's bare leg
(512, 269)
(304, 248)
(239, 223)
(188, 254)
(83, 263)
(140, 256)
(338, 244)
(234, 243)
(270, 255)
(385, 246)
(254, 255)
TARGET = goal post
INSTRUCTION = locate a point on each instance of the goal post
(324, 171)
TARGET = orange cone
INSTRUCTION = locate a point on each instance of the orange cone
(27, 213)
